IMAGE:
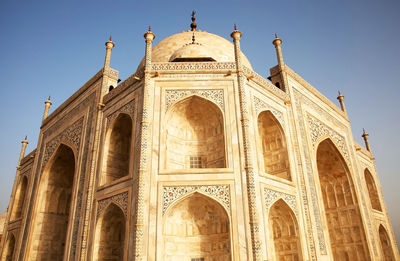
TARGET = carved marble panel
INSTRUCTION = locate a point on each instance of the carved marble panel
(120, 200)
(260, 106)
(271, 196)
(221, 193)
(217, 96)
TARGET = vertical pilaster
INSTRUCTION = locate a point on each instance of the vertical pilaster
(277, 42)
(144, 173)
(365, 137)
(23, 149)
(249, 169)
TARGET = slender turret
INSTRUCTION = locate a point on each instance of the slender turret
(277, 43)
(365, 137)
(46, 108)
(341, 101)
(22, 153)
(109, 46)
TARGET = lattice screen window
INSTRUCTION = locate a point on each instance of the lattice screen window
(197, 259)
(197, 162)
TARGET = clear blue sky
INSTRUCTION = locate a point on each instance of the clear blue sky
(54, 47)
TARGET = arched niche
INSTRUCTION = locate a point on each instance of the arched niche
(19, 198)
(346, 231)
(372, 191)
(53, 206)
(8, 251)
(386, 246)
(285, 232)
(196, 227)
(273, 146)
(110, 235)
(117, 149)
(194, 135)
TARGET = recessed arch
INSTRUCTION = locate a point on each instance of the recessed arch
(386, 245)
(110, 233)
(196, 226)
(285, 232)
(194, 135)
(53, 206)
(9, 247)
(346, 231)
(273, 144)
(372, 191)
(19, 198)
(117, 149)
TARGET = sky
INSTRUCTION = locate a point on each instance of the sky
(54, 47)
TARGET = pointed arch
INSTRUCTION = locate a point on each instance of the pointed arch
(53, 206)
(197, 226)
(110, 234)
(194, 135)
(346, 231)
(117, 149)
(9, 247)
(273, 146)
(285, 232)
(386, 245)
(372, 190)
(19, 198)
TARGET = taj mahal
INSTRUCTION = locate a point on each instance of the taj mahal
(196, 157)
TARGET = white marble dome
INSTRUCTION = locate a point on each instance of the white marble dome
(211, 45)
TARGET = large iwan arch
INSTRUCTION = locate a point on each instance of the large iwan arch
(194, 135)
(196, 227)
(110, 235)
(53, 207)
(273, 146)
(285, 232)
(346, 231)
(117, 149)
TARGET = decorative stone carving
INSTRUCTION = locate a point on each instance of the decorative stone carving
(313, 192)
(259, 106)
(219, 192)
(265, 83)
(120, 200)
(271, 196)
(128, 108)
(217, 96)
(72, 135)
(318, 129)
(195, 66)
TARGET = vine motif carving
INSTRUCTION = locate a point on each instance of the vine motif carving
(205, 66)
(71, 134)
(259, 105)
(173, 193)
(128, 108)
(310, 176)
(216, 96)
(270, 197)
(120, 200)
(318, 129)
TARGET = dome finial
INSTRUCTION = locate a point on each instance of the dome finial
(193, 25)
(234, 26)
(193, 38)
